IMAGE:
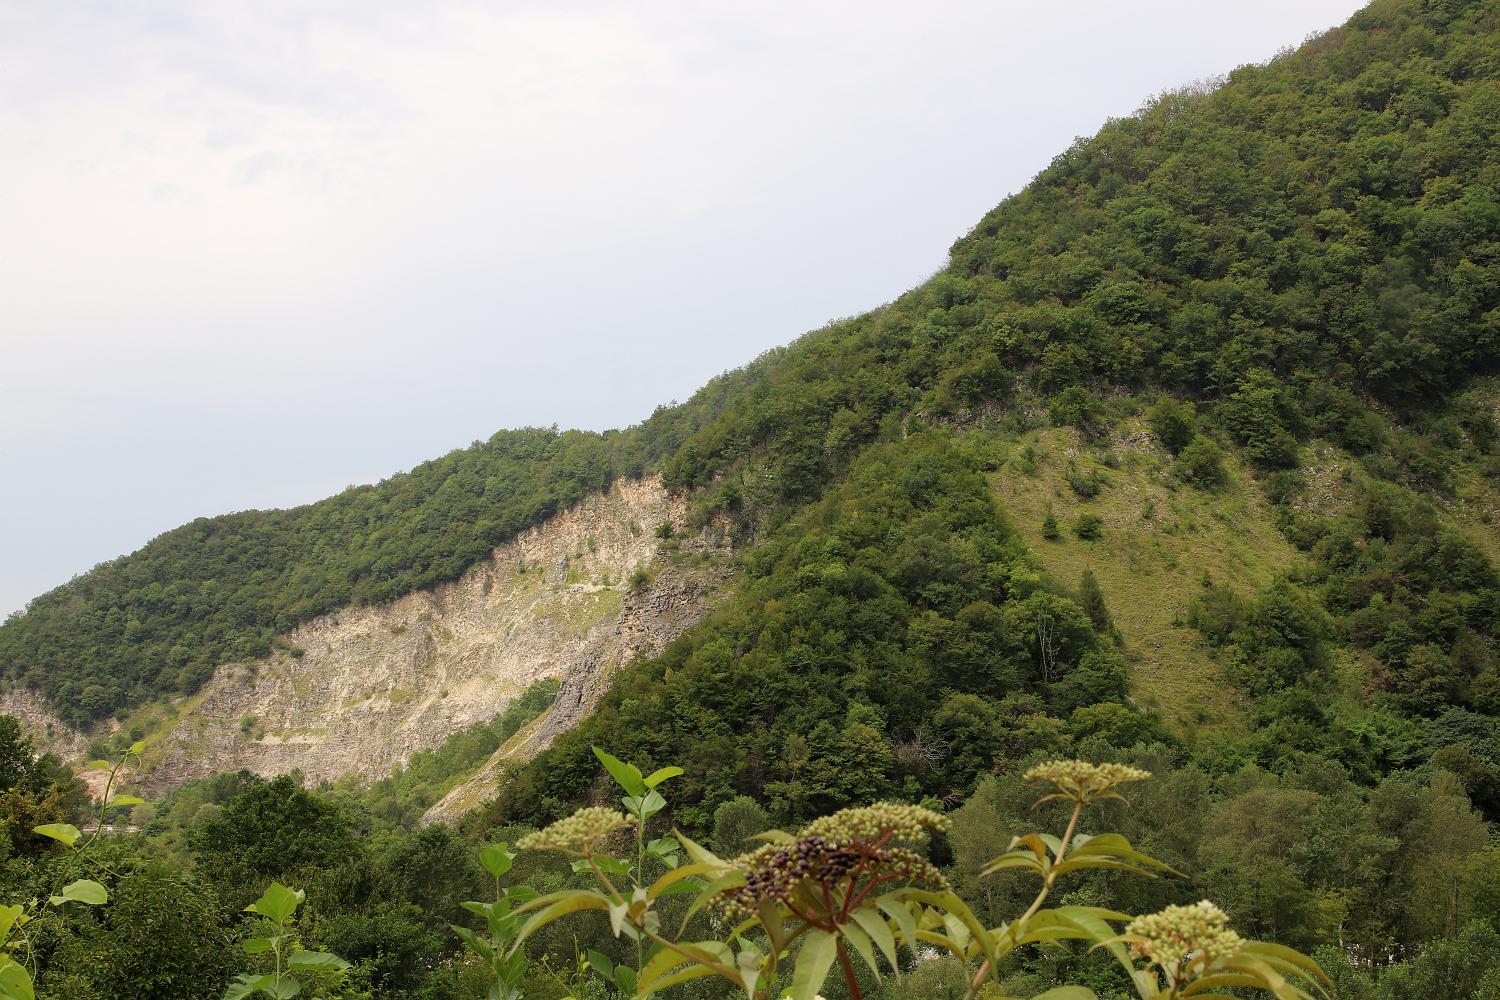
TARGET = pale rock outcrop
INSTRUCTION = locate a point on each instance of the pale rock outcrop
(360, 690)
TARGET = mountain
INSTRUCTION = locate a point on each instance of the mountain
(1301, 261)
(1190, 455)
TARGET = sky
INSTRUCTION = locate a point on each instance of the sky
(253, 252)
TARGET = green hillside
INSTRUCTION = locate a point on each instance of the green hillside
(1189, 457)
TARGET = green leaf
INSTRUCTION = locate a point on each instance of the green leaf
(277, 903)
(289, 988)
(63, 833)
(700, 854)
(602, 963)
(496, 858)
(627, 775)
(318, 960)
(899, 911)
(126, 800)
(243, 986)
(624, 980)
(99, 765)
(8, 917)
(814, 959)
(874, 925)
(856, 936)
(662, 774)
(475, 943)
(652, 804)
(555, 906)
(15, 983)
(83, 891)
(256, 946)
(813, 962)
(137, 748)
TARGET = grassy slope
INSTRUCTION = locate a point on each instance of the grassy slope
(1149, 567)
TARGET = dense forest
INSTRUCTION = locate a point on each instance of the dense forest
(1303, 258)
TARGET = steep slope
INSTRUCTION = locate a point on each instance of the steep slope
(358, 691)
(1310, 253)
(1159, 540)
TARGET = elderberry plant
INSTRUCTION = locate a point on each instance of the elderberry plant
(854, 884)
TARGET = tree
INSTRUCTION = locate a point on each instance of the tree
(1200, 464)
(735, 822)
(1173, 423)
(1091, 599)
(269, 831)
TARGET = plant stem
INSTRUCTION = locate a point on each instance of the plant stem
(1036, 904)
(848, 967)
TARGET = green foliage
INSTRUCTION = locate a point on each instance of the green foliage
(1089, 526)
(1174, 423)
(847, 886)
(1200, 463)
(290, 963)
(269, 831)
(856, 623)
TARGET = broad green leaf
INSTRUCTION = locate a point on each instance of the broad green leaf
(496, 858)
(627, 775)
(700, 854)
(813, 963)
(15, 982)
(664, 883)
(137, 748)
(277, 903)
(83, 891)
(243, 986)
(63, 833)
(256, 946)
(773, 837)
(289, 988)
(898, 910)
(624, 980)
(652, 804)
(602, 963)
(662, 774)
(319, 960)
(562, 904)
(8, 917)
(856, 937)
(126, 800)
(874, 925)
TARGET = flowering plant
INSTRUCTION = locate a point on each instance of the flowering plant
(855, 885)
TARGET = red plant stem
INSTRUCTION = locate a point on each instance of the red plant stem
(849, 972)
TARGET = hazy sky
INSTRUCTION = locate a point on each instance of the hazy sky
(253, 252)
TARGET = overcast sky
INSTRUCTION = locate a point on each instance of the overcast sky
(253, 252)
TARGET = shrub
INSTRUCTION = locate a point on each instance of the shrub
(1088, 527)
(1201, 463)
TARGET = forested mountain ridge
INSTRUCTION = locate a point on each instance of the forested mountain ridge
(1188, 458)
(1308, 249)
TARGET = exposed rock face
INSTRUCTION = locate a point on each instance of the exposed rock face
(360, 690)
(48, 733)
(653, 615)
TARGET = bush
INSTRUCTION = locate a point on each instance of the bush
(1172, 422)
(1201, 463)
(1088, 527)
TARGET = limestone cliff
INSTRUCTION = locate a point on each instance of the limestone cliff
(360, 690)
